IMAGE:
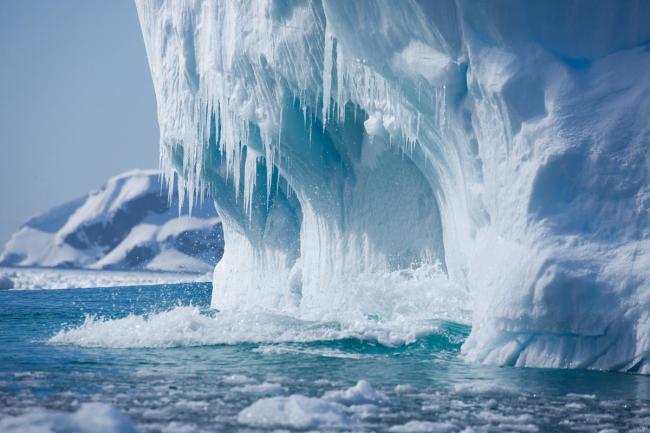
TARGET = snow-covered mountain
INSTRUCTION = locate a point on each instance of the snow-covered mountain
(127, 224)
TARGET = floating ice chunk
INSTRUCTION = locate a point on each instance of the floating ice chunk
(403, 389)
(192, 405)
(295, 411)
(262, 388)
(482, 389)
(495, 417)
(361, 393)
(574, 406)
(364, 411)
(90, 418)
(424, 427)
(430, 407)
(574, 396)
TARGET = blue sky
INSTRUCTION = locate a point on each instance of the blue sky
(76, 102)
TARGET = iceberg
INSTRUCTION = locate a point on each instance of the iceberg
(371, 156)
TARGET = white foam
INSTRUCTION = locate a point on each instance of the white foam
(90, 418)
(192, 326)
(238, 379)
(295, 411)
(325, 353)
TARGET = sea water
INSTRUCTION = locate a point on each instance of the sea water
(158, 359)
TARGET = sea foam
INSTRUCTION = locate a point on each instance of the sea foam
(193, 326)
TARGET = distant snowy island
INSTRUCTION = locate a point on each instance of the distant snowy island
(129, 224)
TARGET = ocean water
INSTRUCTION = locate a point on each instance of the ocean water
(157, 359)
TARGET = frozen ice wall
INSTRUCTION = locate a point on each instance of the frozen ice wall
(396, 161)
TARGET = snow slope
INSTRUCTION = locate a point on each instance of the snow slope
(128, 224)
(497, 150)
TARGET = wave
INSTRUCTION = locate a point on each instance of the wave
(184, 326)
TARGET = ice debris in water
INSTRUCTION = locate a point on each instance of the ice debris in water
(483, 389)
(295, 411)
(424, 427)
(238, 379)
(404, 388)
(298, 411)
(89, 418)
(361, 393)
(262, 388)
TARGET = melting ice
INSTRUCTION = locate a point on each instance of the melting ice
(421, 159)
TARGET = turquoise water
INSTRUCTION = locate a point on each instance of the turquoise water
(173, 365)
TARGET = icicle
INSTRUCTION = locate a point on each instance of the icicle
(250, 171)
(327, 76)
(443, 103)
(340, 85)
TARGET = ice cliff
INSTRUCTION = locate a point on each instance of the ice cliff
(387, 160)
(127, 224)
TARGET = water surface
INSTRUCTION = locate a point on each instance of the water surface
(159, 360)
